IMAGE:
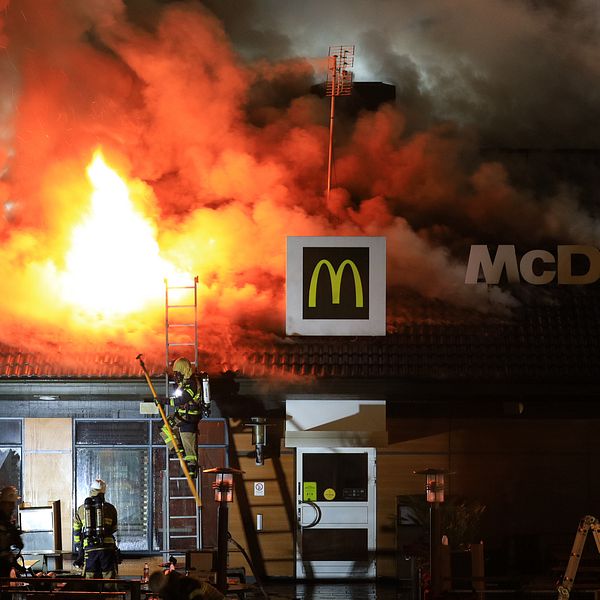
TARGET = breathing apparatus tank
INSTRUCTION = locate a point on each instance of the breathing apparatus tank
(89, 521)
(205, 394)
(99, 517)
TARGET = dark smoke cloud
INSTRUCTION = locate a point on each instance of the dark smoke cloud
(205, 109)
(523, 73)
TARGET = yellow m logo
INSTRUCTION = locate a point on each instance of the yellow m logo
(336, 282)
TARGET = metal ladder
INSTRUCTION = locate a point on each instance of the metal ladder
(181, 323)
(587, 524)
(181, 517)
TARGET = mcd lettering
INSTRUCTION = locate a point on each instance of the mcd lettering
(570, 265)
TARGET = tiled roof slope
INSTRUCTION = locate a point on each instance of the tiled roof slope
(547, 342)
(21, 363)
(557, 340)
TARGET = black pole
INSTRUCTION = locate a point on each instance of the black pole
(222, 544)
(434, 549)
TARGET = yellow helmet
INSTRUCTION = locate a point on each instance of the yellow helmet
(184, 367)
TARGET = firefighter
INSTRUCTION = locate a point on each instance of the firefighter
(94, 530)
(191, 402)
(11, 543)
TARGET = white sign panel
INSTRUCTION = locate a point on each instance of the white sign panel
(336, 286)
(259, 488)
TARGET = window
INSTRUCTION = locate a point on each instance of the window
(125, 471)
(130, 456)
(10, 453)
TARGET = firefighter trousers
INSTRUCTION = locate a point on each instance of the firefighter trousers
(187, 440)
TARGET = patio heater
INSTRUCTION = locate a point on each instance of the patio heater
(434, 494)
(223, 486)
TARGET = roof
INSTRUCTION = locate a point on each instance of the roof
(556, 339)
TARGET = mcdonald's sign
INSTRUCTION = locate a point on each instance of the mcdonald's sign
(335, 286)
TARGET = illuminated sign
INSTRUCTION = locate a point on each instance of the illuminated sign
(573, 265)
(335, 286)
(335, 283)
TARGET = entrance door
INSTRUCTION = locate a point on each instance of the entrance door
(335, 509)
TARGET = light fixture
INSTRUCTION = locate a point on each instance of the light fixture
(434, 484)
(223, 486)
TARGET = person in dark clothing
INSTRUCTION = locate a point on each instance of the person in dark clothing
(175, 586)
(10, 535)
(94, 530)
(190, 403)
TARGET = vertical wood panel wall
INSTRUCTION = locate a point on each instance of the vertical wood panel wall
(48, 467)
(537, 478)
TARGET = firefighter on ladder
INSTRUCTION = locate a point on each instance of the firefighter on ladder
(191, 402)
(94, 542)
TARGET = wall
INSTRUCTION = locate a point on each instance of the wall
(271, 549)
(48, 467)
(536, 478)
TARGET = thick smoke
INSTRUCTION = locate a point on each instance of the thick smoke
(205, 109)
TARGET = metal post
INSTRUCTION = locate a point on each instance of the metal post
(331, 118)
(434, 548)
(222, 542)
(339, 83)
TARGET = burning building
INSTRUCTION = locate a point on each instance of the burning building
(138, 146)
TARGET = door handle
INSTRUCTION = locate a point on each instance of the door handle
(318, 514)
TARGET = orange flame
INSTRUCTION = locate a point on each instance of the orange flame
(113, 266)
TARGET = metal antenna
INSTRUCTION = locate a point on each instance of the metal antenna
(339, 83)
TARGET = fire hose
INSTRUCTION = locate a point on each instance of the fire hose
(178, 450)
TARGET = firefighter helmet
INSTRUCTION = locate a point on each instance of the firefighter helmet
(98, 487)
(184, 367)
(9, 494)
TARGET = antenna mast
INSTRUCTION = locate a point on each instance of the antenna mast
(339, 83)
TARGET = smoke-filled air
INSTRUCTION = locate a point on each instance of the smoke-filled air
(142, 140)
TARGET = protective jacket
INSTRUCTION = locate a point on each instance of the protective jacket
(188, 405)
(97, 542)
(10, 538)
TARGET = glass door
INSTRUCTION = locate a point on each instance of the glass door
(335, 510)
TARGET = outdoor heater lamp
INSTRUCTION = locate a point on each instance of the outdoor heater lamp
(434, 484)
(223, 487)
(434, 493)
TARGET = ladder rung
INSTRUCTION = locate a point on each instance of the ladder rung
(181, 325)
(181, 344)
(182, 497)
(181, 287)
(180, 537)
(182, 517)
(181, 306)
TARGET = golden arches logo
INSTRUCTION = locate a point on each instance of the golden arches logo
(335, 278)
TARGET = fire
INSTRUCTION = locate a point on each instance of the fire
(113, 266)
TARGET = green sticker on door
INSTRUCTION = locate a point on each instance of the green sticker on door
(309, 491)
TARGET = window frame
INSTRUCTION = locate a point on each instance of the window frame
(150, 445)
(18, 447)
